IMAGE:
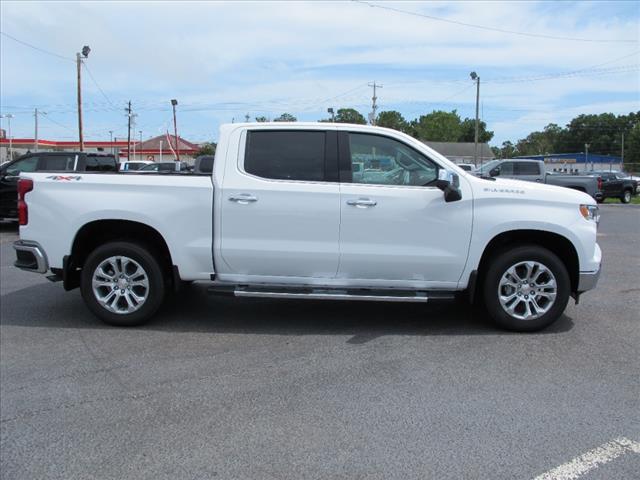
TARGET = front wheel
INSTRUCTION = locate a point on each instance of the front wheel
(626, 196)
(526, 288)
(122, 283)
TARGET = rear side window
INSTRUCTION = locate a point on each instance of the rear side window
(286, 155)
(57, 162)
(506, 168)
(100, 164)
(527, 168)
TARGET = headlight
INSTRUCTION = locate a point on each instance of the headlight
(590, 212)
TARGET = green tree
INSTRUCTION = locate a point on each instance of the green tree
(261, 119)
(350, 115)
(207, 148)
(632, 147)
(468, 131)
(392, 119)
(437, 126)
(285, 117)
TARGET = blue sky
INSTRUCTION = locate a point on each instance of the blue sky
(223, 60)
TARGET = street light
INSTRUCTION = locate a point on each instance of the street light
(174, 102)
(333, 116)
(586, 156)
(139, 152)
(474, 76)
(9, 116)
(85, 54)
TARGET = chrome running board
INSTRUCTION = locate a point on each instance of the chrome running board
(418, 297)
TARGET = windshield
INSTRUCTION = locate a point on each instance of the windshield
(486, 168)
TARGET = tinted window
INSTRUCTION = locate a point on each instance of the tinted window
(205, 164)
(57, 162)
(506, 168)
(100, 164)
(527, 168)
(24, 165)
(381, 160)
(291, 155)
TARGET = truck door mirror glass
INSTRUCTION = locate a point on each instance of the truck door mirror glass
(449, 183)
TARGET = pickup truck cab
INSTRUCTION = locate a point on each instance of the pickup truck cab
(535, 171)
(46, 162)
(283, 216)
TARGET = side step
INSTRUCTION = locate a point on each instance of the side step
(315, 293)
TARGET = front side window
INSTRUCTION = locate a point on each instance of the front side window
(381, 160)
(286, 155)
(25, 165)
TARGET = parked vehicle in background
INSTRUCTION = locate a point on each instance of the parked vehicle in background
(203, 164)
(616, 185)
(46, 162)
(535, 171)
(133, 165)
(467, 167)
(159, 167)
(283, 216)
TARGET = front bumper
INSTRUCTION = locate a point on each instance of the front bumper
(30, 256)
(588, 280)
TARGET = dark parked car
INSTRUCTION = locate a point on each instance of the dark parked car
(617, 185)
(46, 162)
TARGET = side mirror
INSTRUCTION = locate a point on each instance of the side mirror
(494, 172)
(449, 183)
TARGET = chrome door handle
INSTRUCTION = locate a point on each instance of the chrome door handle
(243, 198)
(362, 203)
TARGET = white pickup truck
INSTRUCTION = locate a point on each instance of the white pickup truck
(285, 215)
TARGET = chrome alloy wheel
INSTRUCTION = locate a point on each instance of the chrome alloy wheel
(527, 290)
(120, 285)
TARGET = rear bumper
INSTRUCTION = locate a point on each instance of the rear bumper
(30, 256)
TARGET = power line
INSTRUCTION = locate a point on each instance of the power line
(493, 29)
(42, 50)
(96, 84)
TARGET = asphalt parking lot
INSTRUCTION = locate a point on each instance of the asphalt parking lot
(257, 389)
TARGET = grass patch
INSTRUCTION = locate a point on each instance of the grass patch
(635, 200)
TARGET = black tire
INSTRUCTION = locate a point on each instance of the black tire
(626, 196)
(156, 283)
(497, 268)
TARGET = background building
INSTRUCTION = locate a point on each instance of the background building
(463, 152)
(578, 161)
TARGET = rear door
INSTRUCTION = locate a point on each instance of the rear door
(9, 184)
(280, 206)
(396, 229)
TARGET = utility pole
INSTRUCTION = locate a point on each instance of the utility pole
(586, 156)
(9, 116)
(333, 114)
(374, 105)
(174, 102)
(246, 118)
(79, 57)
(474, 76)
(128, 110)
(35, 136)
(111, 140)
(140, 154)
(622, 151)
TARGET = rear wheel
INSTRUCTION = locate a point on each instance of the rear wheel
(626, 196)
(526, 288)
(122, 283)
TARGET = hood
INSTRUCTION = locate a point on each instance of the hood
(505, 187)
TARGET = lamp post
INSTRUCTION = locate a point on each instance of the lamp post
(474, 76)
(139, 151)
(586, 156)
(111, 139)
(8, 116)
(174, 102)
(79, 57)
(333, 115)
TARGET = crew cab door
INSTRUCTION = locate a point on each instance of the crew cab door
(396, 228)
(611, 185)
(280, 206)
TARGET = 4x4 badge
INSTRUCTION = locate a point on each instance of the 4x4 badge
(65, 177)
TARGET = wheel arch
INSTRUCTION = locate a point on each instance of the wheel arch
(98, 232)
(554, 242)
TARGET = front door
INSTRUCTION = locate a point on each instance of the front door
(280, 207)
(396, 229)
